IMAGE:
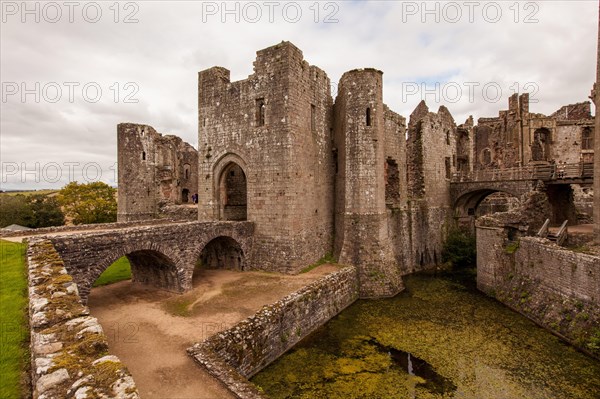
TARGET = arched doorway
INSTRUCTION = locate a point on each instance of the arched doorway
(185, 194)
(223, 253)
(233, 193)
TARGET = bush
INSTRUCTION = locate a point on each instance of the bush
(460, 249)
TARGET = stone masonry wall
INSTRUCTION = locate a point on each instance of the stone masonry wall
(233, 355)
(555, 287)
(276, 125)
(69, 351)
(154, 170)
(362, 238)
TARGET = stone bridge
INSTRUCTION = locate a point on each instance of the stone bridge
(160, 255)
(467, 190)
(467, 195)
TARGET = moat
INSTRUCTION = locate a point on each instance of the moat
(440, 338)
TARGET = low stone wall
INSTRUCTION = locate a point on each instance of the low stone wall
(555, 287)
(69, 351)
(236, 354)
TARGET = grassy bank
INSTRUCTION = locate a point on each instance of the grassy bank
(118, 271)
(14, 354)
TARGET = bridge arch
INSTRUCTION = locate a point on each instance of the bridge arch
(223, 252)
(467, 203)
(151, 264)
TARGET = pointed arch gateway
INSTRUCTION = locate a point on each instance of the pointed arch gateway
(231, 189)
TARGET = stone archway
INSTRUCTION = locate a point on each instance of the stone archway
(232, 193)
(223, 253)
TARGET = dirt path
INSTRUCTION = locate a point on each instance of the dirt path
(151, 329)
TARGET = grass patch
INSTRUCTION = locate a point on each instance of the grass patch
(583, 249)
(14, 355)
(327, 258)
(179, 307)
(118, 271)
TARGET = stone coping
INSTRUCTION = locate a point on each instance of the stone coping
(69, 350)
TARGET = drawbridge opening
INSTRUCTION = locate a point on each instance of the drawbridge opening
(222, 253)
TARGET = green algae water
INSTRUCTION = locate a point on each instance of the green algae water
(438, 339)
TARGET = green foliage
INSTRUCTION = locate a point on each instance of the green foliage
(327, 258)
(512, 247)
(14, 209)
(46, 211)
(89, 203)
(594, 341)
(118, 271)
(35, 210)
(13, 310)
(460, 249)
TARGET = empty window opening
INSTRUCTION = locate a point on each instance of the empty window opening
(486, 156)
(368, 116)
(448, 137)
(143, 155)
(260, 112)
(540, 147)
(587, 139)
(313, 115)
(448, 168)
(186, 171)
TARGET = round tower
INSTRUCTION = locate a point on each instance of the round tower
(361, 218)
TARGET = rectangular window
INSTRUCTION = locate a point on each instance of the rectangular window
(313, 116)
(448, 170)
(260, 112)
(587, 139)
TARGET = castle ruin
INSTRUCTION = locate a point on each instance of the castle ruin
(346, 176)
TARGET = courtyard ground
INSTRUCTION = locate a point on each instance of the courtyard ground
(150, 329)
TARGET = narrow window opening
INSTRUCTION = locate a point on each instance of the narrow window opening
(313, 115)
(448, 168)
(587, 139)
(260, 112)
(143, 155)
(448, 137)
(368, 116)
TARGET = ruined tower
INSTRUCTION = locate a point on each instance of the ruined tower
(154, 171)
(362, 237)
(266, 156)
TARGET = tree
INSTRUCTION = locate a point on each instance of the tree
(14, 209)
(45, 211)
(89, 203)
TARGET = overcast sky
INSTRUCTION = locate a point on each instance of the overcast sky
(71, 71)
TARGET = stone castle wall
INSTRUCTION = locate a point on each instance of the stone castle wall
(69, 350)
(238, 353)
(276, 125)
(556, 287)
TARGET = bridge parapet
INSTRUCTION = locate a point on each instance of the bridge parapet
(550, 172)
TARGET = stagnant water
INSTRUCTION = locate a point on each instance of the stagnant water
(439, 339)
